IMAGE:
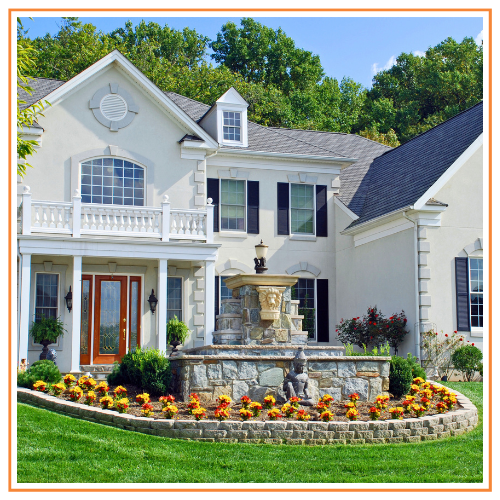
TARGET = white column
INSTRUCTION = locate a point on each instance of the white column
(26, 215)
(77, 213)
(210, 221)
(165, 219)
(161, 307)
(209, 301)
(76, 313)
(24, 322)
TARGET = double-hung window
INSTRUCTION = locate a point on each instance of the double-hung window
(174, 298)
(305, 291)
(232, 205)
(47, 294)
(236, 205)
(231, 126)
(302, 208)
(476, 292)
(112, 181)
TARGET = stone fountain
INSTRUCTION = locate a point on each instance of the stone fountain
(259, 333)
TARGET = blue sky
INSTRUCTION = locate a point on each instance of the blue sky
(348, 46)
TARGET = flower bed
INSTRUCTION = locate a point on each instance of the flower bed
(266, 429)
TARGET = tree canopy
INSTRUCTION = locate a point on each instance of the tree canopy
(284, 85)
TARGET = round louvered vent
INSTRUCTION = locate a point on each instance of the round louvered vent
(113, 107)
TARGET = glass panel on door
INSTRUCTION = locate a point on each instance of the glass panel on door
(109, 329)
(86, 320)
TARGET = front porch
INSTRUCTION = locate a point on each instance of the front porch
(112, 263)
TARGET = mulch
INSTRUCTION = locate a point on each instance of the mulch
(337, 407)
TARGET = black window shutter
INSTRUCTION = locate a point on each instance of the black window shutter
(322, 318)
(253, 207)
(283, 207)
(213, 192)
(462, 288)
(321, 212)
(216, 301)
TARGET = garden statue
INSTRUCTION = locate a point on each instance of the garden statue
(52, 355)
(296, 382)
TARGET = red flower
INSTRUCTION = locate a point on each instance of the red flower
(376, 315)
(461, 340)
(371, 338)
(372, 310)
(357, 317)
(354, 319)
(472, 343)
(446, 335)
(391, 317)
(369, 322)
(454, 331)
(355, 328)
(336, 330)
(437, 334)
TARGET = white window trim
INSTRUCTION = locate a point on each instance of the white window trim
(114, 152)
(302, 236)
(474, 329)
(235, 108)
(183, 302)
(233, 233)
(232, 141)
(146, 204)
(60, 270)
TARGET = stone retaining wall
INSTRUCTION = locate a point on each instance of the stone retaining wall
(258, 376)
(409, 430)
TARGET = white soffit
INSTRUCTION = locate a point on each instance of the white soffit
(382, 231)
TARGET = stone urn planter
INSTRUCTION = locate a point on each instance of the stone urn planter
(46, 331)
(177, 333)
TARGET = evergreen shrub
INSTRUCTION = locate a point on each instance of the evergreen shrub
(400, 376)
(43, 369)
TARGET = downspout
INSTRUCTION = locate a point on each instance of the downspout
(417, 291)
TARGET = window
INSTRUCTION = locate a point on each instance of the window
(112, 181)
(225, 292)
(304, 291)
(476, 292)
(231, 126)
(174, 298)
(233, 205)
(47, 288)
(302, 208)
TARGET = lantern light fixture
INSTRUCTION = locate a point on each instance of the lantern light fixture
(69, 299)
(152, 301)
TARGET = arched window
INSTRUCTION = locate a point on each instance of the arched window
(112, 181)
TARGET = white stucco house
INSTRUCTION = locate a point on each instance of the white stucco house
(137, 192)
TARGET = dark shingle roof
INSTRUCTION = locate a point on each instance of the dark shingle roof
(400, 177)
(41, 88)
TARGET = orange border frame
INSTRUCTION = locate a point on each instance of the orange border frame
(258, 11)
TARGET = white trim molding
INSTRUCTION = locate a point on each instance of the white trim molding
(344, 208)
(473, 247)
(233, 264)
(303, 266)
(381, 231)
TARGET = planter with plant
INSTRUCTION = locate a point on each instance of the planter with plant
(177, 333)
(46, 331)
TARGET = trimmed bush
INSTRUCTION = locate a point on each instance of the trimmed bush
(43, 369)
(148, 369)
(400, 376)
(467, 359)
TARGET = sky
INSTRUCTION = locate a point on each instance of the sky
(356, 47)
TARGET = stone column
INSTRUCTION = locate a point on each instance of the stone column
(76, 314)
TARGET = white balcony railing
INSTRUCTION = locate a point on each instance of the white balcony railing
(82, 219)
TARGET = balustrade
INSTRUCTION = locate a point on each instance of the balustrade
(78, 218)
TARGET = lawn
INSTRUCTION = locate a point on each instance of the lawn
(53, 448)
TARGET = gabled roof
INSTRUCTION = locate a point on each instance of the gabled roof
(41, 88)
(400, 177)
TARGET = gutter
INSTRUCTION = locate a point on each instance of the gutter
(237, 152)
(417, 292)
(374, 222)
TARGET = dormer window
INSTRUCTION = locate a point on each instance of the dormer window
(227, 120)
(232, 126)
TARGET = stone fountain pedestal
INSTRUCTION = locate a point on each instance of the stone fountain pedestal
(258, 334)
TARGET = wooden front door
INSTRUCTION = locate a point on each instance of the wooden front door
(110, 319)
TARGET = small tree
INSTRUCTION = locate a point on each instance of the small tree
(467, 359)
(394, 330)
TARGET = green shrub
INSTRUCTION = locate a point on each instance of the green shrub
(47, 329)
(177, 331)
(400, 376)
(44, 369)
(467, 359)
(148, 369)
(416, 369)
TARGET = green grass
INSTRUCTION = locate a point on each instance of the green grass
(53, 448)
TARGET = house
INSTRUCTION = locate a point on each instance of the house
(139, 195)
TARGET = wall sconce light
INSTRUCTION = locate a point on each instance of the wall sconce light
(152, 301)
(260, 260)
(69, 299)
